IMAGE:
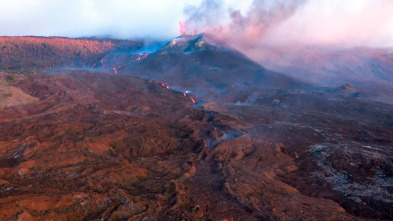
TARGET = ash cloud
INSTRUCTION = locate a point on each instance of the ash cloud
(263, 16)
(334, 23)
(249, 28)
(203, 16)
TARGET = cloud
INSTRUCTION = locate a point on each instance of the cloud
(245, 24)
(338, 23)
(75, 18)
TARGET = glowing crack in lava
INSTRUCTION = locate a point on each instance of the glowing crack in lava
(101, 61)
(140, 57)
(185, 94)
(115, 70)
(182, 27)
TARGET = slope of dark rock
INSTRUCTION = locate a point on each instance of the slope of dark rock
(99, 146)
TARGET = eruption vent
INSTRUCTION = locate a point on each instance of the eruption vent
(182, 27)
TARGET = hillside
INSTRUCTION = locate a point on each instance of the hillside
(30, 53)
(188, 130)
(93, 146)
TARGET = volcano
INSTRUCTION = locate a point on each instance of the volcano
(209, 69)
(189, 129)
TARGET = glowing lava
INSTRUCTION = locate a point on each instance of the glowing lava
(182, 27)
(140, 57)
(193, 100)
(102, 62)
(115, 70)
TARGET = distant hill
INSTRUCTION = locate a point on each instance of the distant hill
(17, 53)
(368, 69)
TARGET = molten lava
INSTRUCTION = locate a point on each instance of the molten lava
(193, 100)
(182, 27)
(232, 219)
(115, 70)
(101, 61)
(140, 57)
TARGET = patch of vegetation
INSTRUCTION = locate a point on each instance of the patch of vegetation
(23, 72)
(11, 79)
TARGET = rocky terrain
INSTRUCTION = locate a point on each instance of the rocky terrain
(94, 145)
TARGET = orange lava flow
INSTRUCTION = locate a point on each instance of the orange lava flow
(185, 95)
(193, 100)
(141, 57)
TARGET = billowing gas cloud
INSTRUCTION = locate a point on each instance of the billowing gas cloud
(297, 22)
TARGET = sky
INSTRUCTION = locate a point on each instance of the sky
(249, 22)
